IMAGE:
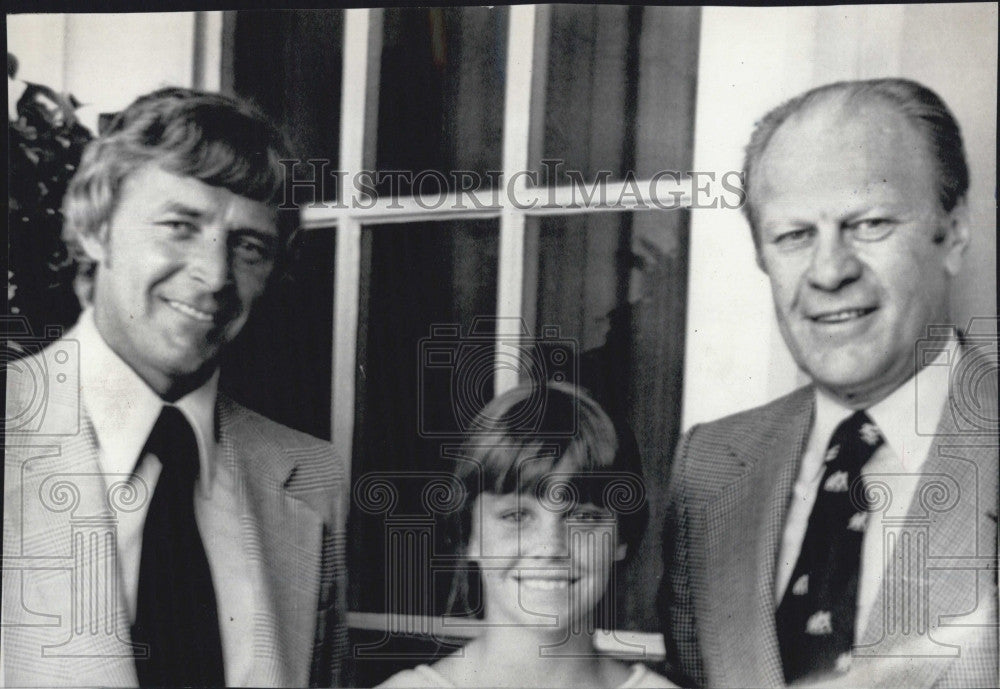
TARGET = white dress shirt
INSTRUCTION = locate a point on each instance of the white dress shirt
(123, 410)
(907, 419)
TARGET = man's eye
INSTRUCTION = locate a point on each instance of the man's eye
(179, 228)
(872, 229)
(789, 240)
(250, 250)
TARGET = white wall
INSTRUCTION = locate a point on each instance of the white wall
(751, 60)
(39, 42)
(112, 59)
(107, 60)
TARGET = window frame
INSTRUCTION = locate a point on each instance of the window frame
(525, 59)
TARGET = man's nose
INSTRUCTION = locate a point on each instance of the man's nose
(834, 263)
(210, 262)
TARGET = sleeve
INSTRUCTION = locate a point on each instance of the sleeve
(683, 663)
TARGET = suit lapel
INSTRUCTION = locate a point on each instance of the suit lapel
(743, 533)
(955, 498)
(54, 476)
(283, 536)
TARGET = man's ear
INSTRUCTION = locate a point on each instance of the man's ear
(956, 237)
(94, 244)
(620, 552)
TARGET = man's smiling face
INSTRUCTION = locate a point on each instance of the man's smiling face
(180, 265)
(859, 252)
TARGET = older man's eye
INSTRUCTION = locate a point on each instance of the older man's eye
(872, 229)
(790, 240)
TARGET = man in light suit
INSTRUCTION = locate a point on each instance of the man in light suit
(157, 533)
(846, 534)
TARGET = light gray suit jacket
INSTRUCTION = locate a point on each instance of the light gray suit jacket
(64, 613)
(934, 623)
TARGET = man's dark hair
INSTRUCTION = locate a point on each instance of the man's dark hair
(921, 107)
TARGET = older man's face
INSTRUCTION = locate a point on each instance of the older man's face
(858, 249)
(180, 265)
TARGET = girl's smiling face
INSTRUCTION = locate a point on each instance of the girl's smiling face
(542, 563)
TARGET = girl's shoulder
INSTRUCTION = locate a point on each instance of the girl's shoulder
(642, 677)
(420, 677)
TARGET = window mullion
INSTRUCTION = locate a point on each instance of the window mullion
(516, 130)
(354, 91)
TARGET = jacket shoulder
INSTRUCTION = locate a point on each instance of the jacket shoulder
(308, 466)
(757, 420)
(279, 433)
(712, 453)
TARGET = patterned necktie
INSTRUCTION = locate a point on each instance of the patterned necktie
(176, 616)
(815, 620)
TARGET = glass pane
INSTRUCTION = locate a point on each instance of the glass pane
(289, 62)
(280, 365)
(423, 287)
(617, 92)
(440, 103)
(615, 284)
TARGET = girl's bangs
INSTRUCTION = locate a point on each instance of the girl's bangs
(551, 470)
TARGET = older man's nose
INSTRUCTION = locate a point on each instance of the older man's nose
(834, 263)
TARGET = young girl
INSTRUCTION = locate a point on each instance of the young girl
(550, 507)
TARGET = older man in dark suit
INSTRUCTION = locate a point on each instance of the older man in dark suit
(156, 533)
(846, 533)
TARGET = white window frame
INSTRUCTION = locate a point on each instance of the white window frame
(513, 207)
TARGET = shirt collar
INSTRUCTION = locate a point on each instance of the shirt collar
(908, 417)
(124, 409)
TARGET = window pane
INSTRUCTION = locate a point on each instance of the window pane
(617, 92)
(289, 63)
(420, 283)
(615, 284)
(440, 107)
(280, 365)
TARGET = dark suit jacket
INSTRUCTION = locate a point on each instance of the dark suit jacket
(730, 491)
(64, 616)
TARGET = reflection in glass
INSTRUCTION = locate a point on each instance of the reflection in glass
(417, 281)
(441, 94)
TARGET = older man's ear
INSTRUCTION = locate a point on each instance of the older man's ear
(956, 237)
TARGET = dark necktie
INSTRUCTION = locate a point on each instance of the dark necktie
(176, 616)
(815, 620)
